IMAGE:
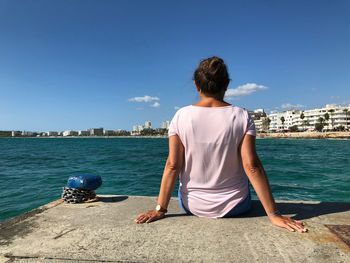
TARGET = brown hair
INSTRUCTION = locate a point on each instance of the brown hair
(211, 76)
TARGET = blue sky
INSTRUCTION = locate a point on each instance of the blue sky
(81, 64)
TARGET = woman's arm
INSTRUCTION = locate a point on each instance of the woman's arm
(172, 168)
(256, 174)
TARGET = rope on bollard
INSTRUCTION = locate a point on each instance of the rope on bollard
(75, 196)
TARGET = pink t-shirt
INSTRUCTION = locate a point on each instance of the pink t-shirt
(212, 180)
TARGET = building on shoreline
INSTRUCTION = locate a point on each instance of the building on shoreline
(337, 116)
(259, 116)
(329, 118)
(96, 131)
(138, 128)
(15, 133)
(83, 133)
(108, 133)
(283, 120)
(51, 133)
(148, 130)
(148, 125)
(165, 124)
(69, 133)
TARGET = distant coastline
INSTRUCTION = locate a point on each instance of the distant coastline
(275, 135)
(91, 137)
(307, 135)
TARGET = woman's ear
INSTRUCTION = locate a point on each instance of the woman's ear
(198, 89)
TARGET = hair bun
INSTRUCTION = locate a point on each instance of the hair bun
(211, 75)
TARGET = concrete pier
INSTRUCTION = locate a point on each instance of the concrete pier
(105, 231)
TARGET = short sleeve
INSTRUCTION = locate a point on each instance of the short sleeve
(173, 126)
(250, 126)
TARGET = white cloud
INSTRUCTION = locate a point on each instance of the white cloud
(289, 106)
(244, 90)
(176, 107)
(335, 97)
(145, 98)
(155, 105)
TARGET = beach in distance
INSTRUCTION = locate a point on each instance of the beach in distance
(307, 135)
(296, 135)
(33, 171)
(276, 135)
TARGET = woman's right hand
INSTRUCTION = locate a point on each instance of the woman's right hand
(288, 223)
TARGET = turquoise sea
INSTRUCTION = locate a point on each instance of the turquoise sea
(34, 170)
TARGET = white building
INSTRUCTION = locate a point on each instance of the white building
(15, 133)
(258, 125)
(258, 116)
(69, 133)
(283, 120)
(109, 133)
(148, 125)
(96, 131)
(83, 133)
(52, 133)
(27, 133)
(337, 116)
(165, 124)
(136, 129)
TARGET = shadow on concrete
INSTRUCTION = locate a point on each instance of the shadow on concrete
(177, 215)
(112, 199)
(18, 226)
(301, 211)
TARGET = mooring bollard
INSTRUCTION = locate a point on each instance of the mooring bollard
(81, 188)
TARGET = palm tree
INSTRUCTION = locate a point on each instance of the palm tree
(266, 123)
(302, 116)
(332, 120)
(326, 117)
(282, 120)
(346, 117)
(320, 124)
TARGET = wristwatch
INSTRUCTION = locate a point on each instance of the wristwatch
(159, 208)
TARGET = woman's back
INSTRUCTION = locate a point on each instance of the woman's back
(212, 149)
(212, 180)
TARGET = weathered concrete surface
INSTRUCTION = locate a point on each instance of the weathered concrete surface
(105, 231)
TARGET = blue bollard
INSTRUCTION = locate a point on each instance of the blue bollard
(84, 181)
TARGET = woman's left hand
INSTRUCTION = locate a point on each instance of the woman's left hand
(149, 217)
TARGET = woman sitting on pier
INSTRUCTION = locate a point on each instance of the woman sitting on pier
(212, 150)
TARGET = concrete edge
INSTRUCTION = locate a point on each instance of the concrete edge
(14, 220)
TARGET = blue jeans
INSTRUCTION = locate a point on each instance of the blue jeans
(242, 207)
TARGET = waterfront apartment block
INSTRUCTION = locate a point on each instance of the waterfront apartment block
(83, 133)
(148, 125)
(138, 128)
(69, 133)
(51, 133)
(337, 116)
(165, 124)
(15, 133)
(109, 133)
(280, 121)
(332, 117)
(96, 131)
(259, 117)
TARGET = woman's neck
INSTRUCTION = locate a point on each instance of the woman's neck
(206, 101)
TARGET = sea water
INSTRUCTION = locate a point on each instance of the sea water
(34, 170)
